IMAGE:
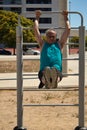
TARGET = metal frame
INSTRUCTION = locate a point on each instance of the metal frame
(19, 42)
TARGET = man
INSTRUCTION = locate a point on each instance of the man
(51, 52)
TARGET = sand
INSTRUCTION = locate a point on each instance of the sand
(41, 118)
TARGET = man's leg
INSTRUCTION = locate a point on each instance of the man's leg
(56, 77)
(47, 77)
(51, 76)
(40, 76)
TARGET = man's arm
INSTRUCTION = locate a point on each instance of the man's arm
(66, 33)
(36, 28)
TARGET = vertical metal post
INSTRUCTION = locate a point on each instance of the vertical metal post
(19, 41)
(19, 45)
(81, 74)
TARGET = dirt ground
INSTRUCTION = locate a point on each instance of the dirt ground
(41, 118)
(11, 67)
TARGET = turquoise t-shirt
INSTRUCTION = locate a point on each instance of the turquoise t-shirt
(51, 56)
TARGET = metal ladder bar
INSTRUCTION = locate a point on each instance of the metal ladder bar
(48, 105)
(62, 89)
(64, 74)
(30, 28)
(37, 58)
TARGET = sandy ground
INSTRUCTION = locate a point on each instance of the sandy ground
(41, 118)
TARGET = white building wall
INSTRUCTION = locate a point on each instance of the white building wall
(23, 7)
(55, 15)
(57, 5)
(63, 5)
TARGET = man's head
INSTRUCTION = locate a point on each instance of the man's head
(51, 36)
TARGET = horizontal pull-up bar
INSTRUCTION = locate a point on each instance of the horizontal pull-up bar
(30, 28)
(70, 12)
(57, 12)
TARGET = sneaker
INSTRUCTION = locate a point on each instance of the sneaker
(40, 85)
(54, 76)
(50, 77)
(47, 76)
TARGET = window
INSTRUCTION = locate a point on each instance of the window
(10, 2)
(43, 9)
(38, 1)
(1, 1)
(17, 10)
(43, 30)
(43, 20)
(15, 1)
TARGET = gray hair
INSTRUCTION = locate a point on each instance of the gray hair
(49, 30)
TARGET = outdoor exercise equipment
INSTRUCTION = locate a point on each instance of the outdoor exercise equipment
(81, 104)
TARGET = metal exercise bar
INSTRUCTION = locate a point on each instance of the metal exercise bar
(19, 41)
(34, 76)
(39, 105)
(64, 74)
(35, 43)
(81, 75)
(60, 12)
(30, 28)
(8, 79)
(58, 89)
(38, 58)
(72, 12)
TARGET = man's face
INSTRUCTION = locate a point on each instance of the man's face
(51, 37)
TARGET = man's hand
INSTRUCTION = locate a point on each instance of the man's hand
(65, 14)
(38, 14)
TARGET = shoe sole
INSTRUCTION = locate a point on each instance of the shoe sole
(47, 76)
(50, 76)
(54, 77)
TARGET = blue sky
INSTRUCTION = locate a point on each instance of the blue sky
(79, 6)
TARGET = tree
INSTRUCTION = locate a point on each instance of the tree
(8, 23)
(75, 39)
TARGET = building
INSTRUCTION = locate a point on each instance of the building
(11, 5)
(27, 8)
(48, 18)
